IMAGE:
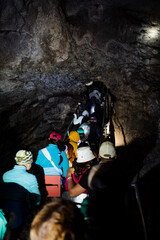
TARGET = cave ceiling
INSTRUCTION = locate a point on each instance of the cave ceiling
(50, 49)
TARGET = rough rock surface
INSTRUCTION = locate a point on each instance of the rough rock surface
(50, 49)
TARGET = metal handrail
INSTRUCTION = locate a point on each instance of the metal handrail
(137, 195)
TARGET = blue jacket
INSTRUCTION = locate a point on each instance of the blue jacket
(20, 176)
(3, 224)
(47, 166)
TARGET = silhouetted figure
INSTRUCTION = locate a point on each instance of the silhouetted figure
(107, 209)
(94, 135)
(38, 171)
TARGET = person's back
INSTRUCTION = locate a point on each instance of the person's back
(58, 163)
(107, 195)
(72, 144)
(85, 159)
(94, 136)
(19, 174)
(19, 192)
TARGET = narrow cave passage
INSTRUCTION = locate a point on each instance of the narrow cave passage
(50, 52)
(101, 109)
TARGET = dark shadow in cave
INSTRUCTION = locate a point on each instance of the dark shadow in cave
(131, 156)
(150, 199)
(142, 206)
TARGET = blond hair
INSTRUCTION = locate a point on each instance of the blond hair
(58, 220)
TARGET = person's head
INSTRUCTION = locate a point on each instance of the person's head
(85, 113)
(25, 158)
(86, 128)
(74, 136)
(107, 151)
(84, 155)
(81, 132)
(85, 159)
(95, 93)
(55, 138)
(58, 220)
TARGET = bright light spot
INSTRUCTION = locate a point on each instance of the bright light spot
(108, 127)
(119, 140)
(92, 109)
(152, 32)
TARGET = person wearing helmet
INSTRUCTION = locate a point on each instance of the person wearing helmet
(19, 174)
(107, 155)
(19, 193)
(86, 128)
(78, 174)
(107, 183)
(72, 144)
(81, 119)
(83, 141)
(53, 158)
(95, 94)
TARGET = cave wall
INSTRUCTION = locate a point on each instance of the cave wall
(50, 49)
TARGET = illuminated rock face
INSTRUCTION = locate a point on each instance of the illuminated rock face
(50, 49)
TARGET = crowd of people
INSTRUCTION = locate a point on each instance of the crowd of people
(92, 201)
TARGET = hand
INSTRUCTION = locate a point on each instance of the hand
(75, 115)
(70, 171)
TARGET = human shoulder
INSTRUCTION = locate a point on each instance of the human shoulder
(31, 175)
(92, 172)
(63, 153)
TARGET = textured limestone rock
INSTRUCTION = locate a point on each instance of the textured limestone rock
(50, 49)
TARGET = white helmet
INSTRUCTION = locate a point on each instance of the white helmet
(84, 154)
(86, 129)
(95, 93)
(107, 150)
(85, 113)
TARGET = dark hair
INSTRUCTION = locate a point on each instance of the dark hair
(60, 146)
(70, 149)
(80, 167)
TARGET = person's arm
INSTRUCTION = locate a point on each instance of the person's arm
(74, 190)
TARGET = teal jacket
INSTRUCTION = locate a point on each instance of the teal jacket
(3, 224)
(46, 164)
(20, 176)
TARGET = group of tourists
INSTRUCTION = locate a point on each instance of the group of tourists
(91, 204)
